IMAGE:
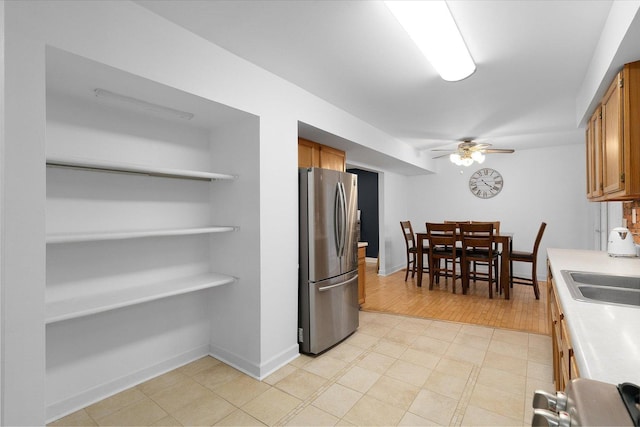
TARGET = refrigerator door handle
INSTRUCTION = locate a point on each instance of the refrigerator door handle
(346, 282)
(343, 229)
(336, 219)
(340, 219)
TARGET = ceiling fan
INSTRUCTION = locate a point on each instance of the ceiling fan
(469, 151)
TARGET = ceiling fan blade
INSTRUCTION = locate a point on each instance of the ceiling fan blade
(478, 147)
(441, 155)
(443, 149)
(498, 150)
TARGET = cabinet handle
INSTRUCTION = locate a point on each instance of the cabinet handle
(622, 177)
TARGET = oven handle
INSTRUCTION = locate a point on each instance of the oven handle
(630, 396)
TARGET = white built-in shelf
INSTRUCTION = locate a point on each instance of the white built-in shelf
(121, 235)
(123, 167)
(71, 307)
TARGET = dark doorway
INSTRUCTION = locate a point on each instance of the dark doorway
(368, 206)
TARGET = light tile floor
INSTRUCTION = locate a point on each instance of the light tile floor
(394, 370)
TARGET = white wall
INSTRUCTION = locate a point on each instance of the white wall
(394, 207)
(235, 336)
(94, 356)
(23, 253)
(546, 184)
(109, 32)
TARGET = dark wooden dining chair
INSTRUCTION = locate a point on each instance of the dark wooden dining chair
(412, 250)
(442, 246)
(496, 250)
(530, 257)
(478, 246)
(457, 223)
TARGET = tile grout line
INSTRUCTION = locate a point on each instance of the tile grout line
(331, 381)
(464, 400)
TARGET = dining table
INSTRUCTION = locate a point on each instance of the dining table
(503, 239)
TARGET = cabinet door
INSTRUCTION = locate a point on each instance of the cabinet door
(594, 155)
(330, 158)
(556, 336)
(361, 274)
(631, 73)
(314, 155)
(612, 138)
(308, 154)
(589, 157)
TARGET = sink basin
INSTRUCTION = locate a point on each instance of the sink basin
(597, 279)
(603, 288)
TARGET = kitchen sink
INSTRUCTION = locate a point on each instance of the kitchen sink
(603, 288)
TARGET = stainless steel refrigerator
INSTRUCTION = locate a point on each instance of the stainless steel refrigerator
(328, 263)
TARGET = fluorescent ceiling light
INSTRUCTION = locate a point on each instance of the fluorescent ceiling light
(432, 28)
(101, 93)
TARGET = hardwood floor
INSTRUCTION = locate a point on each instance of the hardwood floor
(391, 294)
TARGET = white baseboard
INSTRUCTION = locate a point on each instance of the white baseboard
(252, 369)
(88, 397)
(67, 406)
(278, 361)
(383, 272)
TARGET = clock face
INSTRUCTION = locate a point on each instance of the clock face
(485, 183)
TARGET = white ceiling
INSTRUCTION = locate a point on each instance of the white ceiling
(531, 59)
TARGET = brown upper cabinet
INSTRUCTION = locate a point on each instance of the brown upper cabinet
(594, 155)
(312, 154)
(613, 136)
(613, 140)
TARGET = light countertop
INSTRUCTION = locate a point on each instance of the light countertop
(363, 244)
(605, 337)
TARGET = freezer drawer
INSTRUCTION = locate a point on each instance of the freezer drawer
(329, 312)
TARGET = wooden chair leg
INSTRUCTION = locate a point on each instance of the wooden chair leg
(432, 274)
(464, 266)
(490, 274)
(415, 265)
(408, 267)
(534, 279)
(511, 272)
(453, 276)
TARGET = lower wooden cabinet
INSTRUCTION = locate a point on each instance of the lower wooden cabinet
(362, 254)
(565, 367)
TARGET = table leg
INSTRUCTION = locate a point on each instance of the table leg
(504, 268)
(419, 262)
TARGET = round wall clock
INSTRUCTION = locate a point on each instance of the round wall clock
(486, 183)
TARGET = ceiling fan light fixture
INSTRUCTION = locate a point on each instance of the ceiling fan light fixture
(469, 152)
(466, 157)
(467, 161)
(478, 156)
(431, 26)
